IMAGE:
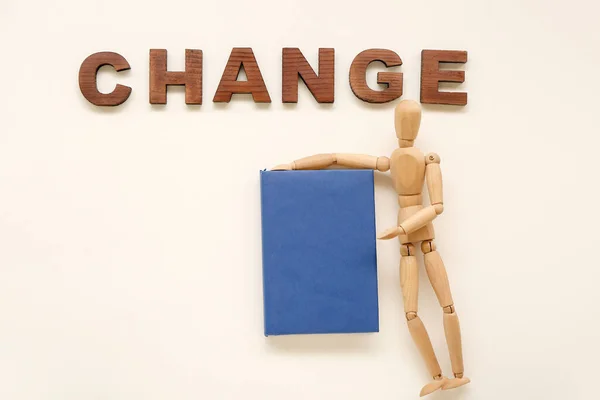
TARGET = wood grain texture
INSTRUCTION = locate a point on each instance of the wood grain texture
(88, 84)
(393, 80)
(427, 246)
(433, 176)
(411, 200)
(242, 57)
(321, 161)
(295, 65)
(427, 232)
(431, 76)
(418, 219)
(435, 384)
(423, 343)
(436, 271)
(456, 382)
(409, 282)
(454, 341)
(317, 161)
(356, 161)
(407, 120)
(408, 170)
(160, 78)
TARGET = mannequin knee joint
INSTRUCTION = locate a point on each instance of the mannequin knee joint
(427, 246)
(411, 315)
(449, 309)
(407, 249)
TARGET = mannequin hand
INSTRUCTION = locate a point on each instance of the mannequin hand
(390, 233)
(283, 167)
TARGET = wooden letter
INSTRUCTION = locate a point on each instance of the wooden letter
(160, 77)
(393, 80)
(242, 57)
(321, 86)
(431, 76)
(88, 74)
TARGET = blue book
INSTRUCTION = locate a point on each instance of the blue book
(319, 252)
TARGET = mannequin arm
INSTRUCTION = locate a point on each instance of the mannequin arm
(321, 161)
(414, 222)
(433, 174)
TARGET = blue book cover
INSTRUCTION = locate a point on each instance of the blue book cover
(319, 252)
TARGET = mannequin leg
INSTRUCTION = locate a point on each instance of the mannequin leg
(439, 280)
(409, 281)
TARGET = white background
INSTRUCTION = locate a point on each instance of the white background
(130, 260)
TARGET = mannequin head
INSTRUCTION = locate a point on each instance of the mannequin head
(407, 120)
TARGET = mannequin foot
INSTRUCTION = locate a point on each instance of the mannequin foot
(437, 383)
(458, 381)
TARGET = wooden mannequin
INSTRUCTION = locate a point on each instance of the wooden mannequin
(409, 169)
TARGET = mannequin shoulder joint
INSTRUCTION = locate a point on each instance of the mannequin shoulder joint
(432, 158)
